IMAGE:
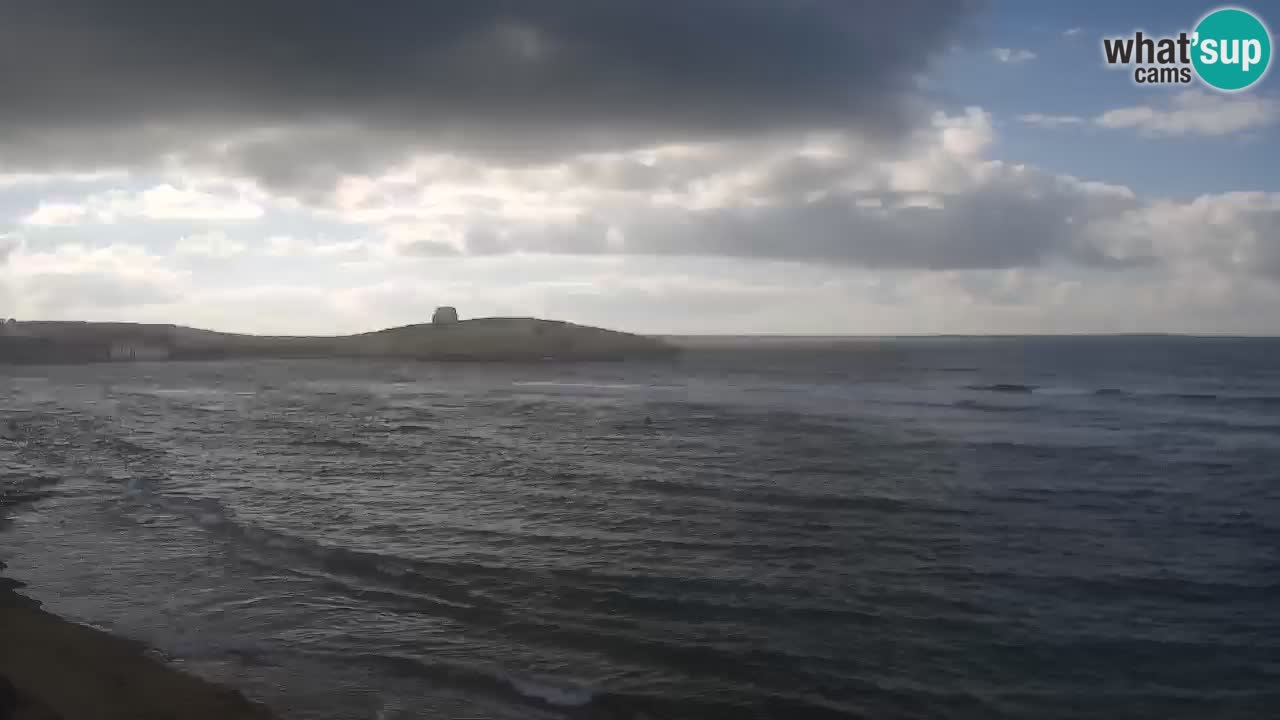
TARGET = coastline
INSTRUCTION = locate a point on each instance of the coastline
(518, 339)
(66, 671)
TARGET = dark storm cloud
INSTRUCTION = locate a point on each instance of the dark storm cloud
(88, 82)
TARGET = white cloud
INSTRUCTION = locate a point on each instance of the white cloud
(51, 214)
(166, 202)
(1012, 56)
(8, 244)
(1050, 121)
(162, 202)
(288, 246)
(1195, 112)
(1235, 234)
(78, 281)
(214, 244)
(1070, 32)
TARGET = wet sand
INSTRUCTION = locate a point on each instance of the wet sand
(64, 670)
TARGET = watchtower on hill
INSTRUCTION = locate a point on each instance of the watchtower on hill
(444, 315)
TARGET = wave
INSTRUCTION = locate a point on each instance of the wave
(552, 694)
(444, 586)
(494, 683)
(409, 428)
(1262, 401)
(331, 443)
(986, 407)
(127, 447)
(588, 385)
(25, 490)
(494, 596)
(1214, 398)
(1227, 399)
(579, 702)
(802, 501)
(1004, 388)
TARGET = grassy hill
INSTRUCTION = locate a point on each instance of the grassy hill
(479, 339)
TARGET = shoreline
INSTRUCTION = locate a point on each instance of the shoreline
(62, 670)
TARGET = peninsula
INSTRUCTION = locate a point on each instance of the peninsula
(444, 338)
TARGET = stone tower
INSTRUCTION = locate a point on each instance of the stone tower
(444, 315)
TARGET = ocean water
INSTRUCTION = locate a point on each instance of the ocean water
(894, 528)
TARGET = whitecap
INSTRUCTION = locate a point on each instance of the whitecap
(552, 694)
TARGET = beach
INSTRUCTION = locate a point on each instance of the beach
(61, 669)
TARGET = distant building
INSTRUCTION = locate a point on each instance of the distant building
(9, 327)
(445, 315)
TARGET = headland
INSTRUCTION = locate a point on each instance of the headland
(445, 338)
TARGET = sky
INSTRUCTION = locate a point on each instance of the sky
(701, 167)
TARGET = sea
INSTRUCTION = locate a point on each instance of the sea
(942, 527)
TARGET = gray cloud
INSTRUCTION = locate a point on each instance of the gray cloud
(995, 228)
(943, 208)
(981, 230)
(58, 291)
(88, 84)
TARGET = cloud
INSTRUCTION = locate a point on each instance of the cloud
(8, 244)
(285, 246)
(297, 95)
(51, 214)
(27, 179)
(162, 202)
(75, 280)
(821, 198)
(998, 247)
(825, 200)
(1012, 56)
(694, 295)
(1194, 112)
(92, 292)
(937, 203)
(215, 245)
(1235, 234)
(1071, 32)
(1050, 121)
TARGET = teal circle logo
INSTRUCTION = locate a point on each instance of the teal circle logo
(1232, 49)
